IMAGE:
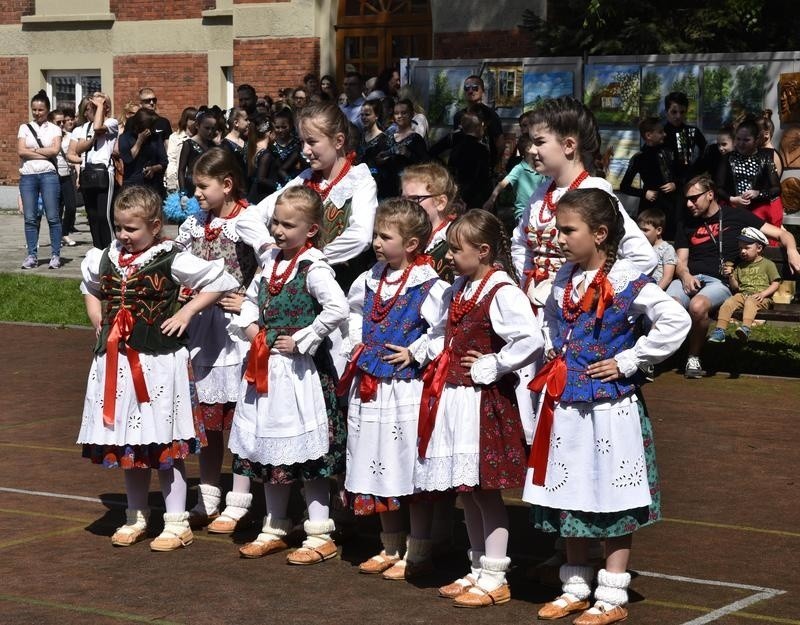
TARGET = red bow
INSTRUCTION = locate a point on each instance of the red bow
(606, 296)
(258, 362)
(432, 384)
(367, 385)
(553, 378)
(120, 332)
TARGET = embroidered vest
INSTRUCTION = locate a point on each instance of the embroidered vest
(290, 310)
(334, 221)
(239, 258)
(402, 326)
(150, 294)
(439, 252)
(474, 331)
(591, 342)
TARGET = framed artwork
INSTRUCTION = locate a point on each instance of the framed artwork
(612, 92)
(658, 81)
(789, 98)
(730, 91)
(538, 86)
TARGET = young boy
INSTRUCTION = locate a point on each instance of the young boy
(651, 223)
(654, 167)
(755, 280)
(523, 178)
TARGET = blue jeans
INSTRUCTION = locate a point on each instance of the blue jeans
(30, 186)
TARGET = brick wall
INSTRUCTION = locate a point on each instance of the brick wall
(486, 44)
(158, 9)
(258, 1)
(179, 80)
(12, 10)
(272, 64)
(15, 99)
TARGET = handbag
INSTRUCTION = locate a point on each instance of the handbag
(93, 176)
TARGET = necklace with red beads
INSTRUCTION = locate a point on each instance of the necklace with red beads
(315, 182)
(549, 206)
(459, 308)
(440, 227)
(125, 262)
(278, 280)
(380, 310)
(572, 310)
(211, 234)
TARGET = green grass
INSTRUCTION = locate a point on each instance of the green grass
(36, 299)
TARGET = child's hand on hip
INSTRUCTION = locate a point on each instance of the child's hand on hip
(177, 324)
(605, 370)
(284, 344)
(401, 357)
(470, 358)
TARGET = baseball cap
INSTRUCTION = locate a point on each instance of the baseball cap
(753, 235)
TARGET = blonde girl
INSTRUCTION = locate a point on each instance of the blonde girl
(142, 416)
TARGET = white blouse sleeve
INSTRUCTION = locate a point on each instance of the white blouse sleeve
(90, 272)
(202, 275)
(357, 236)
(519, 244)
(251, 225)
(322, 286)
(184, 236)
(437, 330)
(635, 247)
(432, 312)
(355, 320)
(513, 321)
(249, 312)
(670, 326)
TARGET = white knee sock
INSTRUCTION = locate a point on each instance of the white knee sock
(576, 580)
(493, 572)
(612, 588)
(174, 487)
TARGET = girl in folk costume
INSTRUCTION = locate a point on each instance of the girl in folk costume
(470, 434)
(593, 472)
(432, 187)
(348, 195)
(565, 136)
(392, 309)
(216, 356)
(288, 426)
(144, 415)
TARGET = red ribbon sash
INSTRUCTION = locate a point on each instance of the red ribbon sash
(553, 378)
(433, 379)
(606, 296)
(258, 362)
(367, 385)
(120, 332)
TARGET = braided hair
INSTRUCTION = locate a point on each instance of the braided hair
(478, 227)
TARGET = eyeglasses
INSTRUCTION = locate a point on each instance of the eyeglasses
(418, 199)
(469, 88)
(149, 100)
(693, 198)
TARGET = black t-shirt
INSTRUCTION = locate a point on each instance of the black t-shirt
(493, 127)
(701, 236)
(163, 128)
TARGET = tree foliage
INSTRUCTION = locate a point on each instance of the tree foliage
(601, 27)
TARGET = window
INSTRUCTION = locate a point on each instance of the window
(506, 84)
(67, 88)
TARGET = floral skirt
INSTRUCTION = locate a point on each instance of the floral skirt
(579, 524)
(217, 417)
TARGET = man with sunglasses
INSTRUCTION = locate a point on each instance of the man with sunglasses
(148, 100)
(493, 128)
(704, 242)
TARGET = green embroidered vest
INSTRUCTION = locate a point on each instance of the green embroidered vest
(290, 310)
(151, 296)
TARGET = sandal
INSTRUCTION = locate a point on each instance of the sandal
(313, 555)
(477, 597)
(378, 564)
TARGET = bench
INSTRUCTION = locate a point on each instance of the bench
(780, 312)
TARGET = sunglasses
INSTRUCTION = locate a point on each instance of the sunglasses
(693, 198)
(149, 100)
(418, 199)
(469, 88)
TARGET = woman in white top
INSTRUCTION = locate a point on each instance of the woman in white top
(93, 142)
(38, 143)
(187, 127)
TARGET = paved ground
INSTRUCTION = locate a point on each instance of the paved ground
(723, 555)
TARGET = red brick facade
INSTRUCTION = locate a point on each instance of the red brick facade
(272, 64)
(143, 10)
(15, 88)
(12, 10)
(179, 80)
(258, 1)
(489, 44)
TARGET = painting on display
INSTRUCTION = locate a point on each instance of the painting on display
(503, 82)
(538, 86)
(612, 92)
(730, 91)
(789, 98)
(620, 145)
(658, 81)
(445, 93)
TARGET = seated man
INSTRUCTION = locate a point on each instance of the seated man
(704, 242)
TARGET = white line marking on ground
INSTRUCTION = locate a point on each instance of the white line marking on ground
(763, 594)
(37, 493)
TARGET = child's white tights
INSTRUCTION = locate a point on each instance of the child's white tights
(486, 518)
(317, 495)
(172, 482)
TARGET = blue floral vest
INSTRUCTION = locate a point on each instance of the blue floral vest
(402, 326)
(591, 342)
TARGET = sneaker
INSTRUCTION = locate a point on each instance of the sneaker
(743, 333)
(68, 241)
(717, 336)
(30, 262)
(693, 368)
(55, 262)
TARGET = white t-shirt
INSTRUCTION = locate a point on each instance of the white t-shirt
(103, 146)
(47, 133)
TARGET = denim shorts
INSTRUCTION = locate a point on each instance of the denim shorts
(713, 289)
